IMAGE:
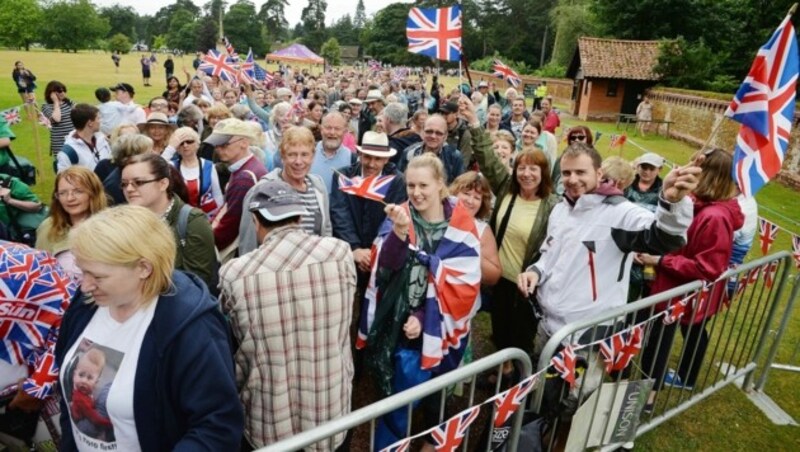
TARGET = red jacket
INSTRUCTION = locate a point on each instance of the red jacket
(705, 255)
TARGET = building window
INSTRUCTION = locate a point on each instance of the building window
(612, 89)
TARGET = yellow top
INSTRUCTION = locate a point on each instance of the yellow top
(43, 242)
(518, 231)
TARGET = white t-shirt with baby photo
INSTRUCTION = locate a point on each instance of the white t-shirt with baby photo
(97, 380)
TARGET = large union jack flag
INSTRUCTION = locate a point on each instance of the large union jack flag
(505, 72)
(435, 32)
(34, 293)
(764, 105)
(448, 436)
(766, 234)
(619, 349)
(506, 403)
(374, 188)
(217, 64)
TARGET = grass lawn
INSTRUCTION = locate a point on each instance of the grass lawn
(726, 421)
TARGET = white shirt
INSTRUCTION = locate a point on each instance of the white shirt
(119, 113)
(112, 395)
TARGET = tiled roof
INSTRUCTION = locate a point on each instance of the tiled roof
(617, 58)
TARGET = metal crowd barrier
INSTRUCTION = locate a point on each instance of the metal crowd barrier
(371, 413)
(607, 409)
(793, 363)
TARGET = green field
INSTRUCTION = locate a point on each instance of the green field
(726, 421)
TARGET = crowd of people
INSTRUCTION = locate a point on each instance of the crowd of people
(217, 263)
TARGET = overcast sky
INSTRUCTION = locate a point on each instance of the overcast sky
(336, 8)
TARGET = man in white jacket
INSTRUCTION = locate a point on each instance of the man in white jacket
(585, 261)
(86, 145)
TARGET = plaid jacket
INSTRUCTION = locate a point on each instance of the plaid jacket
(291, 303)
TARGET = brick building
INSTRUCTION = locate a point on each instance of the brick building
(610, 76)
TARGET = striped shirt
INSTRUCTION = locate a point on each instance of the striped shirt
(59, 130)
(290, 303)
(311, 223)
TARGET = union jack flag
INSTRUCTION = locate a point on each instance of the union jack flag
(766, 234)
(298, 109)
(506, 403)
(248, 67)
(750, 278)
(617, 141)
(401, 446)
(217, 64)
(764, 105)
(449, 435)
(505, 72)
(12, 116)
(769, 273)
(676, 310)
(374, 65)
(619, 349)
(796, 249)
(35, 292)
(229, 48)
(374, 187)
(564, 363)
(435, 32)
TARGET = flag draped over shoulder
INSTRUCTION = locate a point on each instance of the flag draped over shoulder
(452, 292)
(435, 32)
(764, 105)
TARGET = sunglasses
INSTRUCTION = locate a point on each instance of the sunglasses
(577, 138)
(136, 183)
(186, 142)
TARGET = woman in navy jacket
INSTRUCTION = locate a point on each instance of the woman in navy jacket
(180, 393)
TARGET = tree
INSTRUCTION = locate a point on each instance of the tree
(314, 23)
(21, 21)
(273, 15)
(207, 34)
(121, 19)
(344, 31)
(331, 52)
(360, 19)
(182, 31)
(243, 28)
(385, 37)
(72, 25)
(163, 19)
(120, 43)
(572, 20)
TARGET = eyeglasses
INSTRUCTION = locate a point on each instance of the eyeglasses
(186, 142)
(577, 138)
(437, 133)
(136, 183)
(66, 194)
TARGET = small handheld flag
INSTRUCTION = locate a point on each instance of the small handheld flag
(435, 32)
(374, 188)
(505, 72)
(12, 116)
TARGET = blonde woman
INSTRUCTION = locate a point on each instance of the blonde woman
(158, 330)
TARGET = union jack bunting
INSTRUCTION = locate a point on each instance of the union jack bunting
(217, 64)
(435, 32)
(766, 234)
(764, 105)
(35, 292)
(401, 446)
(564, 363)
(619, 349)
(796, 250)
(748, 279)
(504, 72)
(506, 403)
(12, 116)
(374, 188)
(769, 273)
(676, 310)
(449, 435)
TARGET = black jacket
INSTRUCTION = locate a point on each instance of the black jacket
(401, 140)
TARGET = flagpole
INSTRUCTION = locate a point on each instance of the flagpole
(32, 111)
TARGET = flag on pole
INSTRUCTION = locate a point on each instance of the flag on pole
(298, 108)
(217, 64)
(231, 52)
(504, 72)
(766, 234)
(435, 32)
(617, 141)
(764, 105)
